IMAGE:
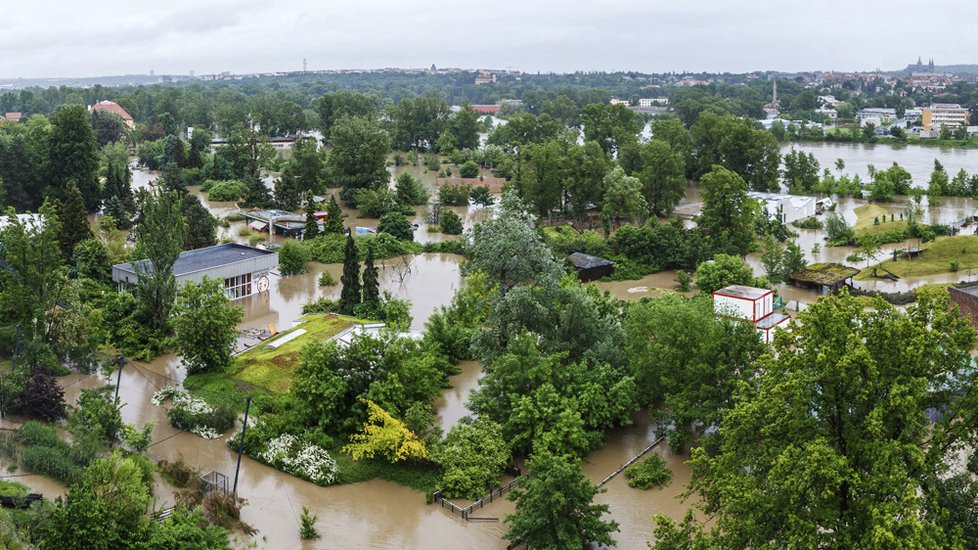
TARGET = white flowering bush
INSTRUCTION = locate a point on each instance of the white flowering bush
(300, 458)
(193, 413)
(290, 454)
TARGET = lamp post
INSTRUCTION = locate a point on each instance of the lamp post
(244, 428)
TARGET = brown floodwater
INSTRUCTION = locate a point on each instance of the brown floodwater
(375, 514)
(451, 405)
(427, 280)
(633, 508)
(916, 159)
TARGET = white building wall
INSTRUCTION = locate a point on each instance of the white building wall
(733, 307)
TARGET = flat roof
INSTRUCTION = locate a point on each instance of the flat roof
(209, 257)
(741, 291)
(771, 320)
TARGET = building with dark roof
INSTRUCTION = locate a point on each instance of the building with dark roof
(243, 269)
(591, 268)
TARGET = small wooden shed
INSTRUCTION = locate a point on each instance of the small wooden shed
(824, 278)
(591, 268)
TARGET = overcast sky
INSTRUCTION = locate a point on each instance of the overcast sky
(109, 37)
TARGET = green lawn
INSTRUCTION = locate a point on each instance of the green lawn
(867, 213)
(937, 258)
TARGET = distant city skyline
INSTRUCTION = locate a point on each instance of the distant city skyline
(58, 38)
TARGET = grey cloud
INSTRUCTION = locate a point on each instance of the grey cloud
(60, 37)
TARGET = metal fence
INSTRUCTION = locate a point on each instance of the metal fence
(465, 513)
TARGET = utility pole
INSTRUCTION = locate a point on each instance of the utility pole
(244, 428)
(120, 360)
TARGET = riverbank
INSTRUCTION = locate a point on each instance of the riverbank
(958, 254)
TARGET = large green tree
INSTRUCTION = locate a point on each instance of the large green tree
(723, 270)
(623, 198)
(358, 155)
(738, 146)
(201, 226)
(555, 508)
(473, 455)
(73, 155)
(159, 239)
(662, 175)
(105, 508)
(34, 275)
(609, 125)
(206, 326)
(416, 123)
(334, 217)
(371, 284)
(335, 106)
(689, 360)
(464, 126)
(727, 217)
(508, 250)
(830, 445)
(311, 229)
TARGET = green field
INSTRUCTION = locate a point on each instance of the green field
(937, 258)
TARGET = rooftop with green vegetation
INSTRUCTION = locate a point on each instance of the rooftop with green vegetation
(824, 274)
(269, 365)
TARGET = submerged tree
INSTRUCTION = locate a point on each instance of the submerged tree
(371, 286)
(555, 508)
(334, 217)
(74, 220)
(73, 154)
(311, 230)
(206, 326)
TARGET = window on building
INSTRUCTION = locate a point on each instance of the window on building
(238, 287)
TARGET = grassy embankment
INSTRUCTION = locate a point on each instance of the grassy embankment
(944, 255)
(868, 213)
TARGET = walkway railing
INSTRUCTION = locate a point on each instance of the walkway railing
(465, 513)
(630, 462)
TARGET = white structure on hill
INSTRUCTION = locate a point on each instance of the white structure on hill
(787, 208)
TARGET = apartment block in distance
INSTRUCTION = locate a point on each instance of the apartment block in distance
(937, 115)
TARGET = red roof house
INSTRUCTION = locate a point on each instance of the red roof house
(114, 108)
(485, 109)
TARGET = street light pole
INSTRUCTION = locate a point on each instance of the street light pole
(244, 428)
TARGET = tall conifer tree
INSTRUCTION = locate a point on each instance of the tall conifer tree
(334, 217)
(371, 287)
(74, 219)
(311, 230)
(350, 295)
